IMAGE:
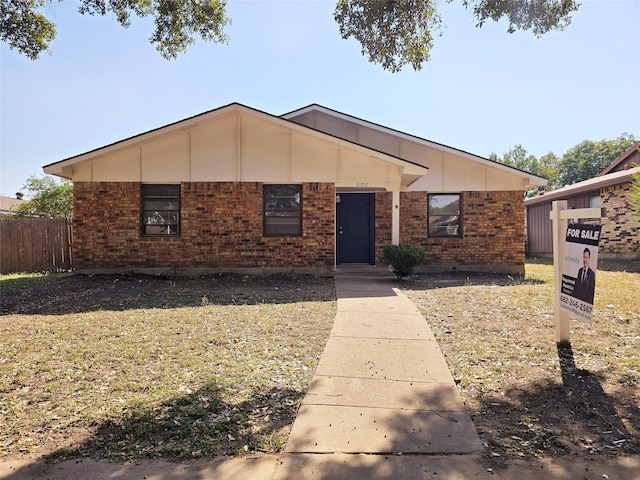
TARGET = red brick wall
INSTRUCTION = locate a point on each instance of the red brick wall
(383, 209)
(492, 226)
(221, 227)
(621, 227)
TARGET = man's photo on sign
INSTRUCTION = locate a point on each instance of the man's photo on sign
(585, 280)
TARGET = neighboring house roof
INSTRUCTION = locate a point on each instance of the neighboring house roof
(7, 204)
(596, 183)
(534, 179)
(623, 160)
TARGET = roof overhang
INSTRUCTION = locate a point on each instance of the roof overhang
(596, 183)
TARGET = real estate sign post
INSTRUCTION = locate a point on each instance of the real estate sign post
(579, 270)
(573, 283)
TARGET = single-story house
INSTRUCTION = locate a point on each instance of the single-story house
(238, 189)
(612, 190)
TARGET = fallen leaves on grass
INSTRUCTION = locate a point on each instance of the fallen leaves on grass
(134, 366)
(527, 395)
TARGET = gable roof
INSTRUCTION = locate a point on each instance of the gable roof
(61, 167)
(621, 159)
(534, 179)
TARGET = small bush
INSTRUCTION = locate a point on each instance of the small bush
(404, 258)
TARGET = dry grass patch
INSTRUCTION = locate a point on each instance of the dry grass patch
(528, 396)
(134, 366)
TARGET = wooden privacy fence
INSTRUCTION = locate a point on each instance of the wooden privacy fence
(35, 244)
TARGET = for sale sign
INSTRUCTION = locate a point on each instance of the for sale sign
(579, 270)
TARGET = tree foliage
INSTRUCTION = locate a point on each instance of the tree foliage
(392, 33)
(589, 158)
(585, 160)
(48, 198)
(518, 157)
(395, 33)
(548, 168)
(545, 166)
(25, 28)
(539, 16)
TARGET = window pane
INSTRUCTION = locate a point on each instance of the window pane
(282, 210)
(282, 190)
(444, 213)
(282, 213)
(282, 226)
(161, 204)
(448, 226)
(160, 190)
(161, 229)
(444, 204)
(160, 218)
(160, 209)
(595, 202)
(282, 197)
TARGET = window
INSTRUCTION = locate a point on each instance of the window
(282, 210)
(444, 215)
(160, 210)
(595, 202)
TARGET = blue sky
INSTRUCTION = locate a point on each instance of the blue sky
(483, 91)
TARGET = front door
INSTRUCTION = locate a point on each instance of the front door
(355, 227)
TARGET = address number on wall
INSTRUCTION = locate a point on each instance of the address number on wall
(362, 184)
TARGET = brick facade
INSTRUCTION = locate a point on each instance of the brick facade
(621, 227)
(220, 228)
(384, 205)
(492, 225)
(221, 225)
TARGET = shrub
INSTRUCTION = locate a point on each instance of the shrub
(404, 258)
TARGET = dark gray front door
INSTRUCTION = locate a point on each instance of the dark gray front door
(355, 215)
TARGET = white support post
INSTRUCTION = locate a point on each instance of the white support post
(559, 231)
(395, 217)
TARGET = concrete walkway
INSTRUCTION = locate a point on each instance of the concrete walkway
(382, 385)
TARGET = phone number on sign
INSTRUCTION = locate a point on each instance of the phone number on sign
(583, 307)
